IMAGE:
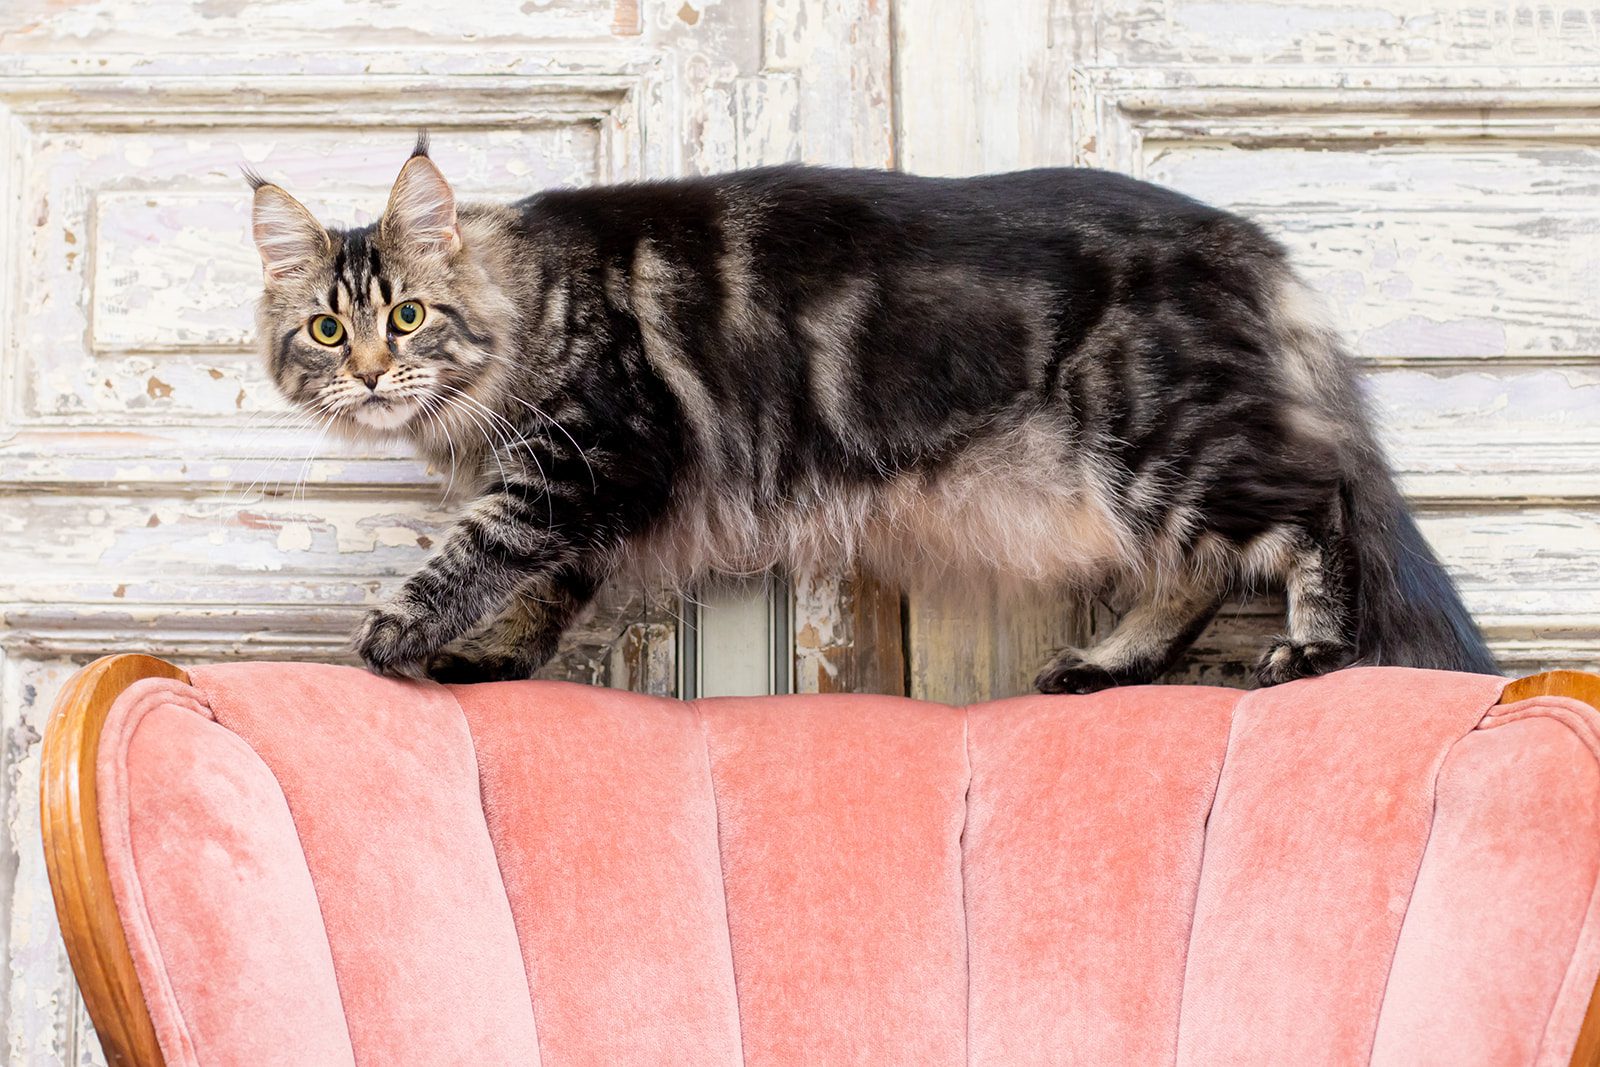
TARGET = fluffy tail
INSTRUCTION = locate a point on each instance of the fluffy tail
(1408, 613)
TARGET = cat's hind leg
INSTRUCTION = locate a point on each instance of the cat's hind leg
(1319, 583)
(1143, 645)
(519, 640)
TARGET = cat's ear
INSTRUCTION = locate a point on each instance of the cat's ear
(422, 208)
(289, 237)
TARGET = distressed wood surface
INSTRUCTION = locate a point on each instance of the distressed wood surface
(174, 26)
(964, 646)
(848, 635)
(1434, 166)
(154, 494)
(1340, 33)
(979, 89)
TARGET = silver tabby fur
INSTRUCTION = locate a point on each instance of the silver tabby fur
(1063, 377)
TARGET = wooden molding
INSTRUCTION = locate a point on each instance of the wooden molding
(69, 815)
(1120, 109)
(1586, 688)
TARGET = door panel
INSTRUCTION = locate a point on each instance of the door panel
(1435, 173)
(155, 494)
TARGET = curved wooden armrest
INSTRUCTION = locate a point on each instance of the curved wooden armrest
(1585, 687)
(1575, 684)
(92, 929)
(69, 815)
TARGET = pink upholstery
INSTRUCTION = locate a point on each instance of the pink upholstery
(1320, 822)
(317, 866)
(192, 857)
(602, 813)
(381, 779)
(840, 820)
(1085, 829)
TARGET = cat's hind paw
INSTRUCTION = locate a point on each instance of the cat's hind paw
(1071, 673)
(1286, 660)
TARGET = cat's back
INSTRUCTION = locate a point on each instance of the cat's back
(809, 203)
(1097, 195)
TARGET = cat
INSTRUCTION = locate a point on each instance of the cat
(1065, 377)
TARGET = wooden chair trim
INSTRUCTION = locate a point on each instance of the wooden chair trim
(1586, 688)
(92, 929)
(75, 859)
(1578, 685)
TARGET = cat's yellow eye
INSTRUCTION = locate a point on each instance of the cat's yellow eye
(406, 317)
(325, 329)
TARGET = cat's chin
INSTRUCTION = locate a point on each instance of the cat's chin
(387, 415)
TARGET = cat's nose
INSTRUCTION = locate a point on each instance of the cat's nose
(371, 378)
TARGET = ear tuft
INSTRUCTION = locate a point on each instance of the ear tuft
(422, 209)
(289, 237)
(421, 147)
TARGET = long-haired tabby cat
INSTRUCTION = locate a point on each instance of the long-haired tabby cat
(1066, 377)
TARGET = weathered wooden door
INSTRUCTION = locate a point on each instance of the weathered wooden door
(152, 495)
(1434, 165)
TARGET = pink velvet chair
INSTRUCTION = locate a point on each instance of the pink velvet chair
(265, 864)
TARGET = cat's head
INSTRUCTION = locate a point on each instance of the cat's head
(378, 327)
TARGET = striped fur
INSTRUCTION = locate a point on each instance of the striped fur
(1060, 377)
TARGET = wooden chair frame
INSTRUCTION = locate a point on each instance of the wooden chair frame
(92, 929)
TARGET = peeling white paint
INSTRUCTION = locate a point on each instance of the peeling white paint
(1442, 197)
(156, 494)
(1436, 169)
(294, 537)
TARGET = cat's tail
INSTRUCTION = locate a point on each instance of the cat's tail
(1408, 612)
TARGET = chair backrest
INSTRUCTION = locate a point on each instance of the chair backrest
(311, 865)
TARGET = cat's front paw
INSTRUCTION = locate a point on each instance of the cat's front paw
(393, 641)
(452, 668)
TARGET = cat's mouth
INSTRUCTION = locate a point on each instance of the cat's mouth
(384, 412)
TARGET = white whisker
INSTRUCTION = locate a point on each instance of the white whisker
(431, 404)
(593, 482)
(527, 445)
(488, 433)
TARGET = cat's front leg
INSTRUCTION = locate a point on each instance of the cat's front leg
(502, 543)
(523, 637)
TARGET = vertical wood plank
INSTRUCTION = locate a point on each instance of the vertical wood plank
(40, 1000)
(979, 88)
(967, 646)
(847, 635)
(841, 51)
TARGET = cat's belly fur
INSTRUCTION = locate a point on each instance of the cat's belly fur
(1013, 508)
